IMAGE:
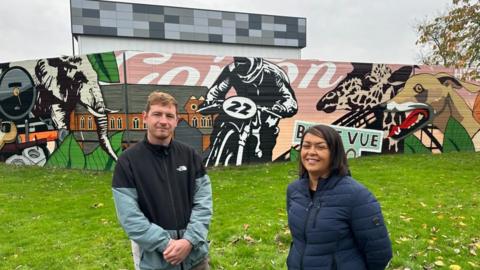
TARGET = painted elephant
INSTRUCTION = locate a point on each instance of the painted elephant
(61, 84)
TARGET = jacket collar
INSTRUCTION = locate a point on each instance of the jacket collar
(158, 149)
(324, 184)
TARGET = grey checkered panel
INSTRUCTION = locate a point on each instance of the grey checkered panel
(161, 22)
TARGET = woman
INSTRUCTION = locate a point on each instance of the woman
(336, 223)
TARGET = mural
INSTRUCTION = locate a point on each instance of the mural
(36, 102)
(247, 124)
(83, 111)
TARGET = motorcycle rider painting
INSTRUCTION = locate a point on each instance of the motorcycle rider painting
(247, 126)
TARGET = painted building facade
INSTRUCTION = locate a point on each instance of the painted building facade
(83, 111)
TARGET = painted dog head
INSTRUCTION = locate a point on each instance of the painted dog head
(432, 97)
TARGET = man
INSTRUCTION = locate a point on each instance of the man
(163, 195)
(267, 86)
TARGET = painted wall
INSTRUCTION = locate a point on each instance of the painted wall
(83, 111)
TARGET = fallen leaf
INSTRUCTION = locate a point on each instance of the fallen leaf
(473, 264)
(234, 240)
(439, 263)
(248, 239)
(455, 267)
(406, 219)
(97, 205)
(404, 239)
(428, 267)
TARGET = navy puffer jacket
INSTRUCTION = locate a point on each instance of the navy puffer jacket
(342, 227)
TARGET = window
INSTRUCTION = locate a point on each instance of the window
(82, 122)
(203, 121)
(90, 123)
(119, 123)
(144, 125)
(209, 121)
(136, 123)
(194, 122)
(112, 123)
(193, 106)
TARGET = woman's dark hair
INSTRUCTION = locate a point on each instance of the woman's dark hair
(338, 158)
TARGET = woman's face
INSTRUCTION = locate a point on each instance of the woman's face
(315, 156)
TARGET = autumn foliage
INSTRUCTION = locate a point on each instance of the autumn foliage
(453, 39)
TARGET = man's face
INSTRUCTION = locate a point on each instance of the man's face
(161, 122)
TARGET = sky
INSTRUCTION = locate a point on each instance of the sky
(372, 31)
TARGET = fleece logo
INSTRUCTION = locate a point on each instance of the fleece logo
(182, 168)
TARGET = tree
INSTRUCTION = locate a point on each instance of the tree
(453, 39)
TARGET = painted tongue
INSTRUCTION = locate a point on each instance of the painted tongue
(395, 130)
(409, 121)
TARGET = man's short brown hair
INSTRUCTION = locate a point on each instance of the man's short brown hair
(158, 97)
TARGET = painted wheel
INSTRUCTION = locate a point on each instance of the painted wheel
(17, 93)
(224, 148)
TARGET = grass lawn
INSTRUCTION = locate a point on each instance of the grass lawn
(65, 219)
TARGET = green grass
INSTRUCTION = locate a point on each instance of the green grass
(65, 219)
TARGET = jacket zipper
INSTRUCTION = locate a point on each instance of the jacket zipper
(171, 201)
(334, 253)
(170, 195)
(309, 207)
(317, 209)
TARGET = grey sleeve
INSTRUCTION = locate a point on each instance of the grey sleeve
(148, 235)
(197, 228)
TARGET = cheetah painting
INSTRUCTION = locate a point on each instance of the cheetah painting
(366, 87)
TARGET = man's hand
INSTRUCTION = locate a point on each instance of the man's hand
(177, 251)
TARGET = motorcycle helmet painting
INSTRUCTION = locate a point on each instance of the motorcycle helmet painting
(248, 68)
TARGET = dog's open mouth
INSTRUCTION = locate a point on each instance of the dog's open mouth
(414, 120)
